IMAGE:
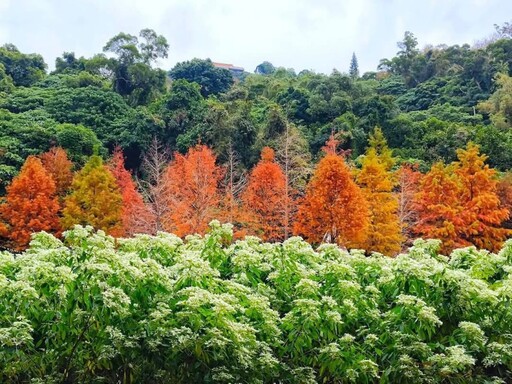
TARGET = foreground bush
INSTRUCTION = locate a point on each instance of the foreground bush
(158, 309)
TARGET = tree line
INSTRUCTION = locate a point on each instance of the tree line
(376, 207)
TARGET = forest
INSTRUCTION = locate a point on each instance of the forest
(420, 148)
(194, 225)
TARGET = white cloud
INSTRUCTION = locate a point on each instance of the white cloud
(311, 34)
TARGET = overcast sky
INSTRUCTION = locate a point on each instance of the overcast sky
(303, 34)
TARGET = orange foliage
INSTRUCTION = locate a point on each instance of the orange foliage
(265, 199)
(30, 205)
(334, 208)
(408, 182)
(439, 208)
(192, 182)
(377, 182)
(134, 212)
(483, 215)
(57, 164)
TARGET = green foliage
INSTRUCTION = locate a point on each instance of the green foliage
(428, 102)
(79, 142)
(211, 79)
(22, 69)
(158, 309)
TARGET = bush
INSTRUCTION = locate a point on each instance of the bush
(156, 309)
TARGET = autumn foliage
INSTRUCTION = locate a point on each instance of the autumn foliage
(58, 165)
(438, 207)
(408, 177)
(95, 199)
(134, 212)
(482, 212)
(192, 186)
(334, 208)
(265, 198)
(377, 182)
(459, 203)
(30, 205)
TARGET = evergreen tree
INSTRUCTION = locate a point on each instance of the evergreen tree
(95, 199)
(354, 67)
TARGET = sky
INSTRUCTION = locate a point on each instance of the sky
(318, 35)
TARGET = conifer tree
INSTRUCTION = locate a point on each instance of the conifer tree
(134, 211)
(408, 186)
(234, 183)
(266, 200)
(58, 165)
(95, 199)
(192, 184)
(482, 213)
(334, 209)
(294, 157)
(30, 205)
(153, 186)
(377, 182)
(439, 207)
(354, 67)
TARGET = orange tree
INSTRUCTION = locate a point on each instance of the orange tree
(192, 185)
(265, 199)
(377, 182)
(134, 211)
(333, 208)
(30, 205)
(408, 186)
(95, 199)
(482, 212)
(439, 207)
(58, 165)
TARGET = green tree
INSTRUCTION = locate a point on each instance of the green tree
(499, 104)
(23, 69)
(211, 79)
(134, 77)
(265, 68)
(354, 67)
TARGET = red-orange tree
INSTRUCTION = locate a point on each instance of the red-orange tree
(377, 182)
(58, 165)
(408, 185)
(482, 212)
(265, 199)
(30, 205)
(134, 212)
(192, 185)
(439, 207)
(334, 208)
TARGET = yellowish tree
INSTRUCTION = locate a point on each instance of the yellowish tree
(377, 182)
(95, 199)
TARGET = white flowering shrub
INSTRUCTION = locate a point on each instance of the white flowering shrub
(158, 309)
